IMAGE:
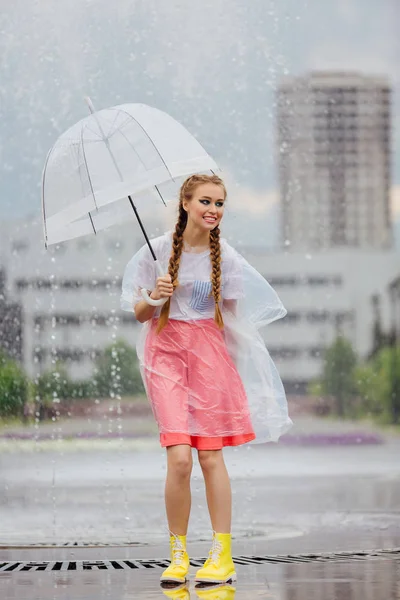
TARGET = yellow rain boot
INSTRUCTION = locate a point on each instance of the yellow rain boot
(179, 592)
(219, 567)
(179, 567)
(219, 592)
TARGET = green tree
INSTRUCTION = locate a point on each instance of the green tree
(51, 389)
(338, 374)
(55, 387)
(378, 385)
(368, 384)
(117, 371)
(57, 384)
(394, 398)
(13, 387)
(54, 384)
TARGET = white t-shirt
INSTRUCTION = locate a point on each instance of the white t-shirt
(191, 299)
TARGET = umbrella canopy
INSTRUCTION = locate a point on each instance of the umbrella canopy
(111, 162)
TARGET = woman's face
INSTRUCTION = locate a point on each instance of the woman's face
(206, 208)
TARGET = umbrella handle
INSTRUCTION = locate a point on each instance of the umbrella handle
(145, 295)
(152, 302)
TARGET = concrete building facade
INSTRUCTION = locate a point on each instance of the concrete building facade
(11, 323)
(334, 161)
(325, 293)
(70, 300)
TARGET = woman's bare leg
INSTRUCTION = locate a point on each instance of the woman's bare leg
(218, 489)
(177, 488)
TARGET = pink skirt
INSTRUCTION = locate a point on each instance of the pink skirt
(194, 388)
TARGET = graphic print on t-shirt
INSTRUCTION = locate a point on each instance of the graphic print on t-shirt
(201, 299)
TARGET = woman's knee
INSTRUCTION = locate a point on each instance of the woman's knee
(180, 460)
(210, 459)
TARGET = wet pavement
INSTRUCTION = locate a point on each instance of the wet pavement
(290, 501)
(114, 493)
(370, 579)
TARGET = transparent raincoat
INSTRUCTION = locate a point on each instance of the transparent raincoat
(200, 380)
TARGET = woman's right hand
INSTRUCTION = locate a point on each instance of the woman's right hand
(164, 288)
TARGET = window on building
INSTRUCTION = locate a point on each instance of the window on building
(128, 318)
(316, 280)
(39, 321)
(43, 284)
(21, 284)
(68, 319)
(68, 284)
(70, 354)
(101, 320)
(76, 319)
(291, 317)
(316, 352)
(285, 352)
(71, 284)
(40, 354)
(318, 316)
(289, 281)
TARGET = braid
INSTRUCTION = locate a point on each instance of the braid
(186, 193)
(173, 267)
(215, 255)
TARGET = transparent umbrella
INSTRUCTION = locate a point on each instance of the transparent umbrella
(101, 170)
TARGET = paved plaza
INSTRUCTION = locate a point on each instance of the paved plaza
(80, 518)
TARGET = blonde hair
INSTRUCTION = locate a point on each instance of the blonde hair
(186, 193)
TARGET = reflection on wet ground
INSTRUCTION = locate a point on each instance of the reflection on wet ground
(374, 579)
(279, 493)
(286, 501)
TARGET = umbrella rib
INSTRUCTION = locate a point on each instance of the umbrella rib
(43, 204)
(139, 157)
(147, 135)
(96, 133)
(132, 146)
(111, 127)
(87, 171)
(160, 194)
(91, 220)
(142, 228)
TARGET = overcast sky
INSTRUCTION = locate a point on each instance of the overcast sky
(212, 64)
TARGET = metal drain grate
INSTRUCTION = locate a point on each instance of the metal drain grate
(90, 565)
(28, 546)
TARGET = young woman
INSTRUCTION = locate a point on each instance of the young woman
(206, 370)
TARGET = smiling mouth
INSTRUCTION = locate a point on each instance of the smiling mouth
(210, 219)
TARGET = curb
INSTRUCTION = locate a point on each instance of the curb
(312, 439)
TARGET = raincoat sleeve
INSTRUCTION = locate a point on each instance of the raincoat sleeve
(140, 273)
(258, 303)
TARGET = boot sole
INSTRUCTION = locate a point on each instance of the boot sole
(174, 585)
(231, 579)
(214, 586)
(173, 580)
